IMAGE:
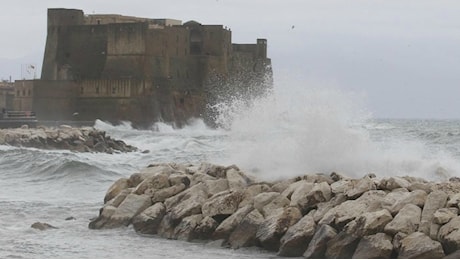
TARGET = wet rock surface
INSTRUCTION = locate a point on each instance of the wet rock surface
(83, 139)
(313, 216)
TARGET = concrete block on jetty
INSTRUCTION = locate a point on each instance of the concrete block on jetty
(317, 216)
(83, 139)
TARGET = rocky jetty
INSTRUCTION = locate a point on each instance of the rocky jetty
(314, 216)
(84, 139)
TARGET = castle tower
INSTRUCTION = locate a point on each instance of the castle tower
(58, 20)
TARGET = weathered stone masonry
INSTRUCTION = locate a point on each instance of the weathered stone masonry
(116, 67)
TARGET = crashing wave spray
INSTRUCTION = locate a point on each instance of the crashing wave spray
(302, 130)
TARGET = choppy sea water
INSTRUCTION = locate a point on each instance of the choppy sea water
(271, 138)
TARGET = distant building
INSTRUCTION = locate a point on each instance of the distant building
(6, 94)
(142, 70)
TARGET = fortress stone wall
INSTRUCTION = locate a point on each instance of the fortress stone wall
(115, 67)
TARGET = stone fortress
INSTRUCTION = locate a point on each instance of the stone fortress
(122, 68)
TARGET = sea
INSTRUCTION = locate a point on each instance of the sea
(289, 132)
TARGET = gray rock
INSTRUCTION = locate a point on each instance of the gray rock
(342, 246)
(298, 191)
(149, 220)
(167, 226)
(262, 199)
(454, 200)
(395, 183)
(340, 215)
(244, 234)
(273, 228)
(116, 188)
(42, 226)
(128, 209)
(236, 179)
(119, 198)
(444, 215)
(321, 192)
(277, 203)
(449, 235)
(165, 193)
(229, 224)
(363, 185)
(153, 183)
(206, 228)
(223, 203)
(341, 186)
(406, 221)
(373, 222)
(397, 199)
(419, 245)
(105, 213)
(324, 207)
(216, 186)
(318, 244)
(251, 192)
(296, 239)
(282, 185)
(185, 230)
(434, 201)
(374, 246)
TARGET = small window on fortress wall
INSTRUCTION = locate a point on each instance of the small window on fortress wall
(97, 90)
(114, 90)
(18, 93)
(81, 90)
(23, 92)
(28, 92)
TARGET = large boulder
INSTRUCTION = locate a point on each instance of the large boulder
(185, 230)
(341, 214)
(374, 246)
(444, 215)
(419, 245)
(373, 222)
(295, 240)
(128, 209)
(153, 183)
(216, 186)
(449, 235)
(116, 188)
(363, 185)
(236, 179)
(187, 203)
(321, 192)
(244, 234)
(406, 221)
(324, 207)
(229, 224)
(298, 191)
(112, 217)
(318, 244)
(273, 228)
(165, 193)
(434, 201)
(223, 203)
(251, 192)
(149, 220)
(397, 199)
(206, 228)
(342, 246)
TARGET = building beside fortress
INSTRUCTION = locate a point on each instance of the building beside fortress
(142, 70)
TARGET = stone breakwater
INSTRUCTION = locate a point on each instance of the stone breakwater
(313, 216)
(84, 139)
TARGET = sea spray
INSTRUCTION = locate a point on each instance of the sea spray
(302, 129)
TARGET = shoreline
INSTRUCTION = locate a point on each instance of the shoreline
(313, 216)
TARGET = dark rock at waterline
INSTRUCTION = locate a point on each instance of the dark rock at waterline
(42, 226)
(314, 216)
(85, 139)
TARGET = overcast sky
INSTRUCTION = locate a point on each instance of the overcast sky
(403, 55)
